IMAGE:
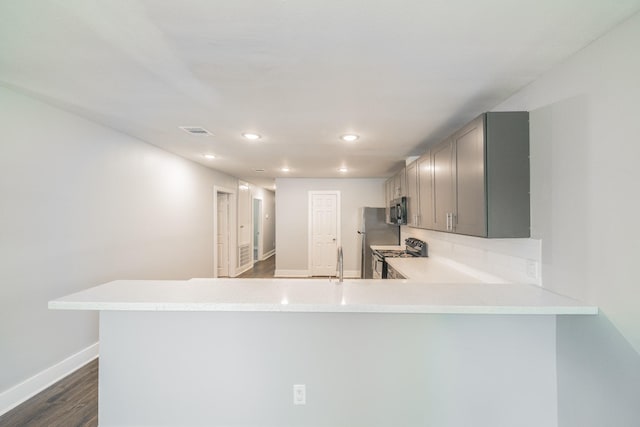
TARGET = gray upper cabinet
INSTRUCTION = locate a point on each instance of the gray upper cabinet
(413, 202)
(425, 191)
(388, 196)
(491, 177)
(476, 182)
(395, 187)
(506, 137)
(470, 216)
(400, 184)
(444, 185)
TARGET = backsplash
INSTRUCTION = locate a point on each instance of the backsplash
(516, 260)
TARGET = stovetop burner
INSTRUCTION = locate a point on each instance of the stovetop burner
(392, 253)
(414, 248)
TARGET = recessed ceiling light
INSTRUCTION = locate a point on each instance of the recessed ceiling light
(251, 136)
(350, 137)
(209, 156)
(285, 169)
(343, 170)
(259, 170)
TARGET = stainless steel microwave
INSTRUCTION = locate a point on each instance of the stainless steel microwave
(398, 211)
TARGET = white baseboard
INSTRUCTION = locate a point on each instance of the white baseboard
(19, 393)
(352, 274)
(291, 273)
(349, 274)
(269, 254)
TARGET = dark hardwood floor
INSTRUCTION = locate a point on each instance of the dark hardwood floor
(261, 270)
(71, 402)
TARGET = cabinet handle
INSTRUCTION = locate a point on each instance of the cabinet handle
(450, 225)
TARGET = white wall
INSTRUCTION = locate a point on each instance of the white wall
(585, 202)
(515, 260)
(360, 370)
(598, 374)
(81, 205)
(585, 174)
(292, 218)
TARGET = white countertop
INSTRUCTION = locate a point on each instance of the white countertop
(319, 295)
(440, 270)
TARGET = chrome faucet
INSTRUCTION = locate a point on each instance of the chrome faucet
(340, 266)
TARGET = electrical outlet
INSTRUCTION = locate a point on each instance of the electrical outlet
(299, 394)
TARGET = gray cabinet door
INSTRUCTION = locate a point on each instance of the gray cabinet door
(396, 186)
(403, 182)
(400, 184)
(425, 191)
(444, 184)
(413, 202)
(388, 197)
(471, 203)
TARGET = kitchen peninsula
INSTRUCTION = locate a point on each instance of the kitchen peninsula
(227, 352)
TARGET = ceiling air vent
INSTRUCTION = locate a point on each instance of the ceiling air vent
(196, 130)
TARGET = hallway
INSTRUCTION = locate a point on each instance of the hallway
(261, 270)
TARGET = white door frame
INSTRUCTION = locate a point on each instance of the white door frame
(233, 247)
(310, 224)
(261, 226)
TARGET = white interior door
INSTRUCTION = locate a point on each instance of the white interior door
(324, 237)
(223, 234)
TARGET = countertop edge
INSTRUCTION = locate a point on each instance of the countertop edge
(308, 308)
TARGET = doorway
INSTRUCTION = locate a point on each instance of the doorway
(223, 235)
(224, 238)
(324, 232)
(257, 230)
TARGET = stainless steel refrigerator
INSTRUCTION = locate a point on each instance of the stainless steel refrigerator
(374, 231)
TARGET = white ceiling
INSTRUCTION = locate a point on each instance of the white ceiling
(301, 73)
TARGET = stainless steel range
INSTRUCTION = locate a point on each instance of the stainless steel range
(413, 248)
